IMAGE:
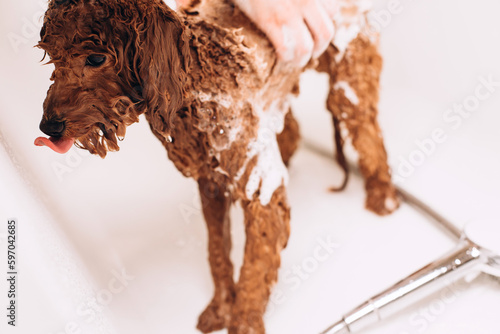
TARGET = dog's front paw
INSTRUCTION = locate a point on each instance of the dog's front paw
(382, 200)
(247, 323)
(215, 317)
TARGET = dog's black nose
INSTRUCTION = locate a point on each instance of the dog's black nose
(52, 128)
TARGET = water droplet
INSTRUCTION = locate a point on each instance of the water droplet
(226, 194)
(170, 139)
(219, 140)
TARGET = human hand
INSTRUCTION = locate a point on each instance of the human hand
(298, 29)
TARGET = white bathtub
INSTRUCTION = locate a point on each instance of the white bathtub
(83, 220)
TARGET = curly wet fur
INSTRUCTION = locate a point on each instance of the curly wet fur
(147, 70)
(215, 95)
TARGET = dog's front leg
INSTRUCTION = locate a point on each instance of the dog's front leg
(216, 202)
(267, 229)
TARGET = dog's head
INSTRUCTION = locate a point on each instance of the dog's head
(114, 60)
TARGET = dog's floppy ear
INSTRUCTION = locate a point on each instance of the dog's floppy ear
(163, 59)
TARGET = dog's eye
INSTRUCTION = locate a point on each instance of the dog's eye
(95, 60)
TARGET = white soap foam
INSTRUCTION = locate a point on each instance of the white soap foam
(348, 26)
(349, 93)
(270, 172)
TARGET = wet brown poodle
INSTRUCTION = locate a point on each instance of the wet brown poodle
(214, 93)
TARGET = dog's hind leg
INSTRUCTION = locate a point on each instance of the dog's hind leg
(353, 101)
(267, 230)
(216, 202)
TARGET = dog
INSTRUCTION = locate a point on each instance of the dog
(214, 93)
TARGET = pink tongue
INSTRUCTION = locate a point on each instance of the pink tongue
(58, 145)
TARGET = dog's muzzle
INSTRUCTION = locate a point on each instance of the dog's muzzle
(55, 130)
(52, 128)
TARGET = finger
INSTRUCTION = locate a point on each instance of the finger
(320, 25)
(332, 7)
(290, 37)
(285, 28)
